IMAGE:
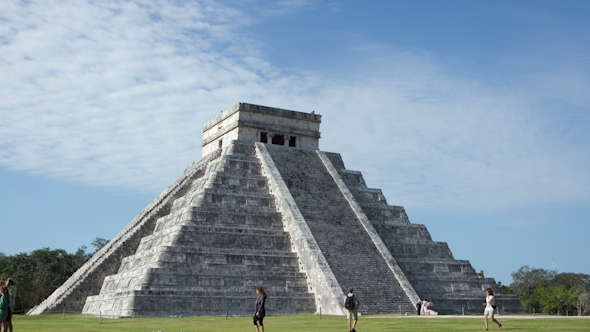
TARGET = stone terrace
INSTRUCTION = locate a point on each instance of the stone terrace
(452, 285)
(219, 242)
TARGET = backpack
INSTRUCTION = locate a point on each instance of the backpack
(349, 303)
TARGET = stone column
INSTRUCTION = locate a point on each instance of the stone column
(286, 140)
(269, 137)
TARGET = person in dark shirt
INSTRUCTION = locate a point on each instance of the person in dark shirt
(3, 307)
(260, 312)
(11, 303)
(352, 312)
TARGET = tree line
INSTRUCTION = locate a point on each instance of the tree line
(39, 273)
(546, 291)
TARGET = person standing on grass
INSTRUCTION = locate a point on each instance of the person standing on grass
(3, 307)
(418, 307)
(11, 302)
(490, 308)
(425, 305)
(351, 304)
(259, 307)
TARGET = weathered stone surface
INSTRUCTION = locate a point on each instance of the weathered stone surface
(349, 250)
(89, 278)
(322, 281)
(452, 285)
(366, 224)
(221, 240)
(247, 122)
(279, 214)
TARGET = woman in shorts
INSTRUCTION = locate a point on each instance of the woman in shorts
(490, 307)
(259, 305)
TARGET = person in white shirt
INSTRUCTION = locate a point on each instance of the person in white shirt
(425, 305)
(490, 307)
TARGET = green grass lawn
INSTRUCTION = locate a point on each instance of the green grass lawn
(81, 323)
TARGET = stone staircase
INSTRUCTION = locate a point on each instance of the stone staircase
(87, 281)
(348, 249)
(452, 285)
(220, 241)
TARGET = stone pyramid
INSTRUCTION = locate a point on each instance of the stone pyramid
(265, 207)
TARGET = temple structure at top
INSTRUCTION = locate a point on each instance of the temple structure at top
(265, 207)
(254, 123)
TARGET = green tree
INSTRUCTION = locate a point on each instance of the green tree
(578, 284)
(570, 280)
(3, 263)
(553, 299)
(526, 280)
(98, 243)
(583, 303)
(39, 273)
(545, 290)
(505, 289)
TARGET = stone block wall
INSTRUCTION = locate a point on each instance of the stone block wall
(292, 220)
(220, 241)
(350, 252)
(87, 281)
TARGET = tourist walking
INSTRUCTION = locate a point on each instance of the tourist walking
(351, 304)
(11, 302)
(3, 307)
(490, 308)
(418, 307)
(260, 312)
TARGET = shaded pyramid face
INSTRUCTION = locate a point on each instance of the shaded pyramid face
(265, 207)
(450, 285)
(353, 250)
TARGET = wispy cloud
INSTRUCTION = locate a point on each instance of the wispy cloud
(115, 94)
(431, 139)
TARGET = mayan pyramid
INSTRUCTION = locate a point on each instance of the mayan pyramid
(265, 207)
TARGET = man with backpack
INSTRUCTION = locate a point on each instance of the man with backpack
(351, 304)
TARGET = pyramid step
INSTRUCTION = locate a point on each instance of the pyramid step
(268, 222)
(205, 303)
(197, 254)
(205, 283)
(168, 269)
(220, 192)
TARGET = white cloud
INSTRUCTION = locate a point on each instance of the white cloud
(430, 140)
(116, 93)
(111, 93)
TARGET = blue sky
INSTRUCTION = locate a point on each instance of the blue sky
(473, 115)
